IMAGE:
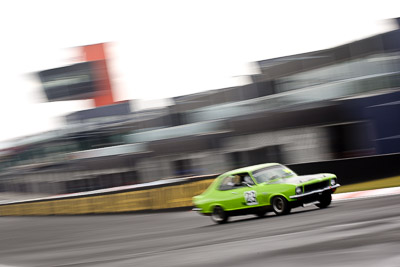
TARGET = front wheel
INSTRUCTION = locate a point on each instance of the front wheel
(280, 205)
(219, 215)
(325, 200)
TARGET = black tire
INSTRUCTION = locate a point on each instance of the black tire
(219, 215)
(324, 201)
(280, 205)
(261, 213)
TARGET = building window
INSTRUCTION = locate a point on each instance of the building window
(182, 167)
(256, 156)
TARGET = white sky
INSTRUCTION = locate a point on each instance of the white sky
(162, 48)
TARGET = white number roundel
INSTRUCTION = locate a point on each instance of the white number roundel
(250, 197)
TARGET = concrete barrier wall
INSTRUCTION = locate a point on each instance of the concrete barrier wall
(166, 197)
(354, 170)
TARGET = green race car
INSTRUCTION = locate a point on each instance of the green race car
(261, 188)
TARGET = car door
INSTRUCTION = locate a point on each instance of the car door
(239, 192)
(251, 194)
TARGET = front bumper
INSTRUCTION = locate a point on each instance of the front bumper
(319, 191)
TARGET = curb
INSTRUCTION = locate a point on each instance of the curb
(367, 193)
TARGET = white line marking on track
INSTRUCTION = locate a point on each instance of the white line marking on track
(367, 193)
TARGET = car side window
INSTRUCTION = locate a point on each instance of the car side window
(247, 179)
(227, 183)
(235, 181)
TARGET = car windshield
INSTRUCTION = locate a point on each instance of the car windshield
(274, 174)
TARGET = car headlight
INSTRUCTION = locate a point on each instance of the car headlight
(333, 182)
(299, 190)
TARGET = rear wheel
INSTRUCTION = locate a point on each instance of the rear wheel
(280, 205)
(219, 215)
(325, 200)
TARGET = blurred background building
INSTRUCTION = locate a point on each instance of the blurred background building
(335, 103)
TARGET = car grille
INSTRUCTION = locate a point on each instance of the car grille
(316, 186)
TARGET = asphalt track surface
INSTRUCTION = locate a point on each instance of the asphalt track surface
(364, 232)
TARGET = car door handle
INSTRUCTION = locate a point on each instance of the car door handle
(234, 193)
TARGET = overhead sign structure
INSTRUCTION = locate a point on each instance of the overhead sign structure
(86, 80)
(69, 83)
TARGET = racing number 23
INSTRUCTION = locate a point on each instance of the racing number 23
(250, 197)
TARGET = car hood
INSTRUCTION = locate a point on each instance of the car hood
(300, 179)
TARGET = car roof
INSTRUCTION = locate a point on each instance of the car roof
(250, 168)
